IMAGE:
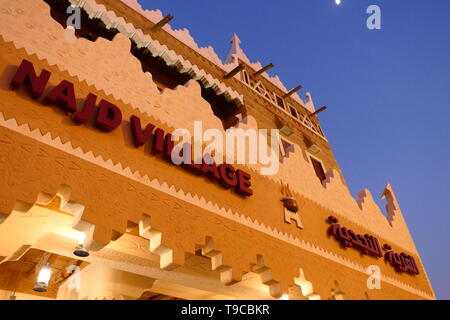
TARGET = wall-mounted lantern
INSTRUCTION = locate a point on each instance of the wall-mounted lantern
(80, 250)
(43, 278)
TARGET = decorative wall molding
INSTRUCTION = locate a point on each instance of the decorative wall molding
(231, 61)
(111, 20)
(332, 195)
(201, 202)
(335, 196)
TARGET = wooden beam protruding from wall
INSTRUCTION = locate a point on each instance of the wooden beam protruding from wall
(290, 93)
(235, 71)
(262, 70)
(162, 23)
(318, 111)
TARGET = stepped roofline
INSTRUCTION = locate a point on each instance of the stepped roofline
(184, 36)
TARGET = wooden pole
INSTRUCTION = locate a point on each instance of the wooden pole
(235, 71)
(317, 112)
(162, 23)
(260, 72)
(290, 93)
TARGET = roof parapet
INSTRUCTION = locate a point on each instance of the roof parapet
(209, 53)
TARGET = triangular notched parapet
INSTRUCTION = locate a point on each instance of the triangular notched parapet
(393, 216)
(236, 52)
(309, 103)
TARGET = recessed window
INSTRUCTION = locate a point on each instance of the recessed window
(280, 101)
(286, 147)
(260, 88)
(318, 168)
(246, 77)
(293, 111)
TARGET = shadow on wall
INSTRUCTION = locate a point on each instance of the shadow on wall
(163, 75)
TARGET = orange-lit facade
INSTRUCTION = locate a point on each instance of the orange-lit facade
(70, 178)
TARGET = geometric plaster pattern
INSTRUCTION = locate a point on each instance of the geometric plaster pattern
(106, 65)
(110, 19)
(333, 195)
(131, 254)
(184, 36)
(167, 258)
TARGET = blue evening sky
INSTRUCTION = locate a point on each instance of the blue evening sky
(388, 92)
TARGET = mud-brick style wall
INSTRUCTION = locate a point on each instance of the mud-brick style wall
(118, 185)
(256, 106)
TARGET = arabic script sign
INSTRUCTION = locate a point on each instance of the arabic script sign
(369, 245)
(401, 262)
(366, 244)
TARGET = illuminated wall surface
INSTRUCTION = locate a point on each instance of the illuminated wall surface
(84, 119)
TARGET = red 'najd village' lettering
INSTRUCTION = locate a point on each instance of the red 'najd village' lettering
(108, 117)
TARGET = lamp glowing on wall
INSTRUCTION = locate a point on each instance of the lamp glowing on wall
(43, 278)
(80, 250)
(338, 2)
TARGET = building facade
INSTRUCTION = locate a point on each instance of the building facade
(86, 116)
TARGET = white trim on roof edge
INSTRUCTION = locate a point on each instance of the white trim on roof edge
(111, 20)
(185, 37)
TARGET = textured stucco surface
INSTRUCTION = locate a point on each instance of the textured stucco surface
(41, 149)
